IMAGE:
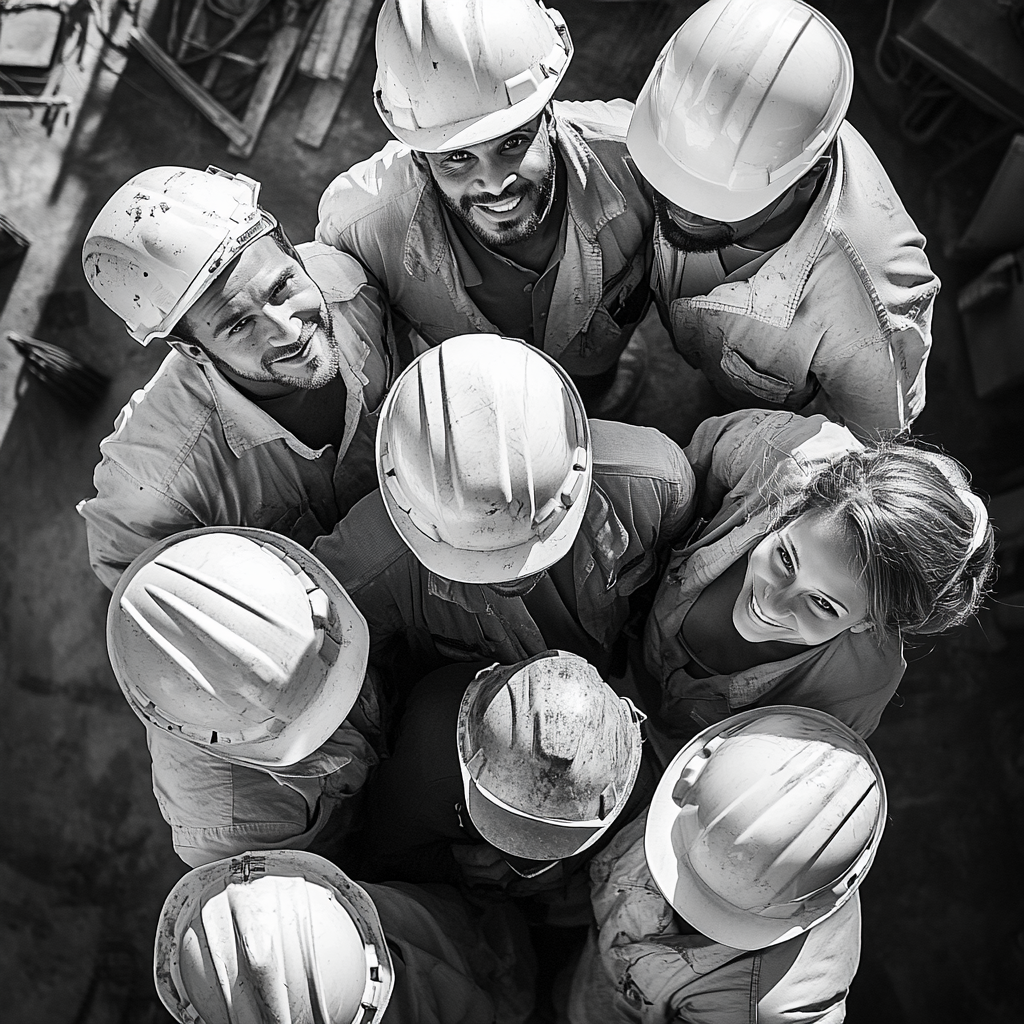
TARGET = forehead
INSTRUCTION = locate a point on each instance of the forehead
(530, 128)
(263, 259)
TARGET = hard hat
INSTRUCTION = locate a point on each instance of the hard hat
(273, 937)
(549, 754)
(765, 824)
(238, 640)
(742, 101)
(483, 454)
(452, 73)
(162, 239)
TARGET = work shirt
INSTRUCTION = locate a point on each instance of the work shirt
(641, 500)
(836, 321)
(453, 963)
(644, 965)
(386, 212)
(741, 462)
(190, 450)
(217, 808)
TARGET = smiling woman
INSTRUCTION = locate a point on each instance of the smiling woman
(814, 558)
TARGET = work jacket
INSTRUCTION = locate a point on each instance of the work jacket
(190, 450)
(453, 963)
(641, 499)
(644, 964)
(741, 462)
(386, 212)
(218, 809)
(837, 321)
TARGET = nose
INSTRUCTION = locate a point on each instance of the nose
(287, 325)
(494, 175)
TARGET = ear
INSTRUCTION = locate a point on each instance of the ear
(186, 348)
(861, 627)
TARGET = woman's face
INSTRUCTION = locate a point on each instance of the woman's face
(802, 585)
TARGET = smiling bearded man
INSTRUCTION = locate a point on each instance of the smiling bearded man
(264, 412)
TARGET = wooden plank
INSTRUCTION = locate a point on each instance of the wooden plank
(279, 52)
(334, 27)
(313, 42)
(189, 88)
(318, 116)
(349, 49)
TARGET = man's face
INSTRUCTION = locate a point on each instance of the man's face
(502, 189)
(689, 232)
(265, 321)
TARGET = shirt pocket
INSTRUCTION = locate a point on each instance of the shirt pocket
(764, 386)
(300, 523)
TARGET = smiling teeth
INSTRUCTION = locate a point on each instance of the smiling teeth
(502, 207)
(759, 614)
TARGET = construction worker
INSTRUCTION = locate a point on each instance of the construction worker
(813, 557)
(263, 413)
(245, 660)
(492, 212)
(736, 900)
(546, 767)
(506, 524)
(285, 936)
(786, 268)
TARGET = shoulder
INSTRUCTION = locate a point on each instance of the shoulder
(622, 449)
(597, 119)
(371, 188)
(338, 275)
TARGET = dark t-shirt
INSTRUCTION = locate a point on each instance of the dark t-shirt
(315, 416)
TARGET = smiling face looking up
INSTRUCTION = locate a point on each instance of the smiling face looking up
(803, 585)
(264, 323)
(501, 189)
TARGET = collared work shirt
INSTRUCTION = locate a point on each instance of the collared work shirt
(641, 500)
(385, 211)
(741, 461)
(845, 306)
(643, 965)
(190, 450)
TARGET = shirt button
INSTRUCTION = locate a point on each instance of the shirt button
(528, 289)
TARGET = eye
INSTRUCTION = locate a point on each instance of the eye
(824, 606)
(787, 562)
(282, 285)
(515, 142)
(457, 158)
(238, 327)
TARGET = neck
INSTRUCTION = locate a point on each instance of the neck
(788, 216)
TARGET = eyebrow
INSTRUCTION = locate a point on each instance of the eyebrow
(788, 544)
(228, 319)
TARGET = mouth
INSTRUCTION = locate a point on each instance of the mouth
(759, 616)
(301, 350)
(501, 208)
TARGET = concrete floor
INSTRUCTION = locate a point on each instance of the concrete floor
(85, 859)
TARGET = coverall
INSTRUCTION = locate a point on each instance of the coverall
(740, 462)
(386, 212)
(836, 321)
(641, 499)
(453, 962)
(217, 808)
(190, 450)
(644, 963)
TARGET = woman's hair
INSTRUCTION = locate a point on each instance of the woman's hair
(921, 536)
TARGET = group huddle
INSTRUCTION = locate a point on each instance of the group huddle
(432, 649)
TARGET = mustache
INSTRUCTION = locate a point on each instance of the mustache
(309, 328)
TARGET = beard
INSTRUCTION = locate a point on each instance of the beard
(541, 196)
(321, 369)
(682, 240)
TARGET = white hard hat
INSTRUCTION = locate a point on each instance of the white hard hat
(483, 454)
(238, 640)
(452, 73)
(163, 237)
(549, 754)
(765, 824)
(273, 937)
(742, 101)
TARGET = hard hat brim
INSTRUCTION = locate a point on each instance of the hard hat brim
(336, 691)
(686, 892)
(191, 887)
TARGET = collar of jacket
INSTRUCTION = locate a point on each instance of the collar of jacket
(247, 426)
(593, 200)
(602, 541)
(775, 292)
